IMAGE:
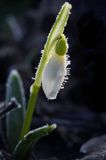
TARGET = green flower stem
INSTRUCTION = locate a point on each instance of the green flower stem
(52, 39)
(30, 110)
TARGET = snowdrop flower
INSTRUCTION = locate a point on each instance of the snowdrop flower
(55, 71)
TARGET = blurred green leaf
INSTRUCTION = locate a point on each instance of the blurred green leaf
(31, 138)
(14, 119)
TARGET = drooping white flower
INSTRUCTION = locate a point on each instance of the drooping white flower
(55, 71)
(54, 75)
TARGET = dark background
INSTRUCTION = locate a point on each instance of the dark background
(24, 26)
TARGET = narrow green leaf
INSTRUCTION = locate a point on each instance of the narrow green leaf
(31, 138)
(14, 88)
(14, 119)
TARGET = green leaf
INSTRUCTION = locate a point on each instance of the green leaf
(14, 88)
(14, 119)
(31, 138)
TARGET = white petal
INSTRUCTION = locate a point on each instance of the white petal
(53, 76)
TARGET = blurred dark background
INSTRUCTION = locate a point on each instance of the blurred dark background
(24, 26)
